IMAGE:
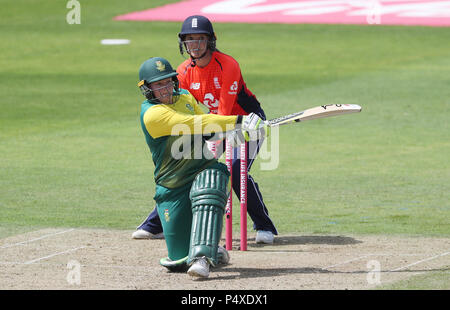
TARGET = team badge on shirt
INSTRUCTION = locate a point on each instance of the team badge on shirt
(190, 108)
(216, 82)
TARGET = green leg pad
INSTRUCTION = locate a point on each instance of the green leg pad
(209, 196)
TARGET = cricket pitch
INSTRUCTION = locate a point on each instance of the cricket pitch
(64, 259)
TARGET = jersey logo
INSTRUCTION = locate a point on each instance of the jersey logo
(233, 88)
(195, 86)
(211, 103)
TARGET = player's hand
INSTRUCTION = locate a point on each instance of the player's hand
(251, 122)
(254, 127)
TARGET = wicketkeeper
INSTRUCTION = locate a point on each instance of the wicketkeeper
(191, 186)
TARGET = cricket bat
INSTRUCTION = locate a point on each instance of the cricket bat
(314, 113)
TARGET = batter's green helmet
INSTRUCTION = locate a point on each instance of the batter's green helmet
(153, 70)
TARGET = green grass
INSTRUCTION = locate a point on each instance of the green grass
(437, 280)
(72, 153)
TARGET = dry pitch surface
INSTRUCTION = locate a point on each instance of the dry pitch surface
(107, 259)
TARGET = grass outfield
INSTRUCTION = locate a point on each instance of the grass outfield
(72, 153)
(428, 281)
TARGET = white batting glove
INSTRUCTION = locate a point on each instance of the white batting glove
(251, 122)
(254, 127)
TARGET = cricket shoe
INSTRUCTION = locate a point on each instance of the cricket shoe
(143, 234)
(223, 258)
(200, 268)
(264, 236)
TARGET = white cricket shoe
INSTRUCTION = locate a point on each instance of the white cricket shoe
(264, 236)
(143, 234)
(200, 268)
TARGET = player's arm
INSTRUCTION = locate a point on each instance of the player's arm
(161, 120)
(231, 84)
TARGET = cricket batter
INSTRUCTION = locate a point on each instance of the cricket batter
(215, 80)
(191, 186)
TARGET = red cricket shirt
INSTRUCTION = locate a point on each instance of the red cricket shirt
(219, 86)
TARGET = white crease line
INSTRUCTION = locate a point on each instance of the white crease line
(36, 239)
(420, 261)
(348, 261)
(86, 265)
(52, 255)
(328, 253)
(384, 254)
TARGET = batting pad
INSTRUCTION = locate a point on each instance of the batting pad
(209, 194)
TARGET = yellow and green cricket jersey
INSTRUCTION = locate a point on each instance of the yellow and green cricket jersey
(174, 134)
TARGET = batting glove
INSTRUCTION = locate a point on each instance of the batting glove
(254, 127)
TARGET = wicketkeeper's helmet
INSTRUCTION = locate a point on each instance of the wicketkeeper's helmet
(153, 70)
(197, 24)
